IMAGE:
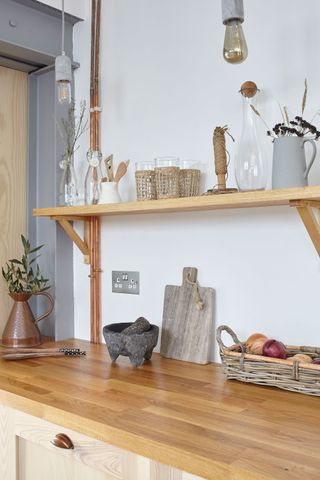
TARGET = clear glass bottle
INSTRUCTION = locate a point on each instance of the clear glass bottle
(250, 165)
(68, 189)
(93, 178)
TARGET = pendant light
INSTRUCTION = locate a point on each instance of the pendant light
(63, 70)
(235, 48)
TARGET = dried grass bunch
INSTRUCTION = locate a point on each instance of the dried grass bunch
(71, 129)
(297, 127)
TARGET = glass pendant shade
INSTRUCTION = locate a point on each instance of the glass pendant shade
(63, 78)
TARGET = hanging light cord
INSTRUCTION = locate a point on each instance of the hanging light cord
(62, 34)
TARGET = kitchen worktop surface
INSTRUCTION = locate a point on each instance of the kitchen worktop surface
(177, 413)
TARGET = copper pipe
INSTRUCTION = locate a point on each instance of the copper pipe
(98, 279)
(92, 74)
(92, 281)
(95, 115)
(97, 74)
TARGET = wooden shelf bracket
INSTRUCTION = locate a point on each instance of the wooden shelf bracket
(309, 219)
(90, 247)
(83, 245)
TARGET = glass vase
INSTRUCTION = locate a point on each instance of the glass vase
(68, 189)
(250, 165)
(93, 178)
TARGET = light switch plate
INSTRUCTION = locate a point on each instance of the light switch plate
(125, 282)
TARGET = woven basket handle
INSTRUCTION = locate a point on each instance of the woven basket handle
(227, 329)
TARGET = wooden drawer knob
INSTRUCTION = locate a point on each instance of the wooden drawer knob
(61, 440)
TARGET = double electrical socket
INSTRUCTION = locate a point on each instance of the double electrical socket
(125, 282)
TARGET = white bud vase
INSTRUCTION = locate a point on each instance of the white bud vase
(109, 193)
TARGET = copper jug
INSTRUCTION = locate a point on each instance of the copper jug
(21, 329)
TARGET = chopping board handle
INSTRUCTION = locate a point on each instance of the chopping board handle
(189, 278)
(189, 273)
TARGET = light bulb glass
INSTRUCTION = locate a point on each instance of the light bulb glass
(64, 92)
(235, 48)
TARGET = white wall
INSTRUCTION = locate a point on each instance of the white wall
(165, 87)
(74, 7)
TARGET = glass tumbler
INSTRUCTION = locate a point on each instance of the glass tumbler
(189, 178)
(167, 177)
(146, 181)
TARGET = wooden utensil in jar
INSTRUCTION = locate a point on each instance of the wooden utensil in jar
(121, 170)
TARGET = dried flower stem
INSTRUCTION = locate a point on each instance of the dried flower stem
(304, 98)
(286, 115)
(258, 114)
(71, 129)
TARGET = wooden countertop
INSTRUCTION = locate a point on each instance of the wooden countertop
(177, 413)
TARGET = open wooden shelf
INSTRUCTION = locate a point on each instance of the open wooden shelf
(305, 200)
(265, 198)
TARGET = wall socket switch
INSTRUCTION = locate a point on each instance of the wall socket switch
(125, 282)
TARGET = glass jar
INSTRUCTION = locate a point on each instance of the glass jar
(250, 166)
(145, 181)
(68, 188)
(167, 177)
(189, 178)
(93, 178)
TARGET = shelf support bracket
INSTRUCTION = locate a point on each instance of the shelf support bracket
(309, 219)
(83, 245)
(90, 247)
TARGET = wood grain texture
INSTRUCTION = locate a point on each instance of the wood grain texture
(36, 458)
(13, 175)
(187, 332)
(105, 461)
(176, 413)
(7, 445)
(211, 202)
(312, 225)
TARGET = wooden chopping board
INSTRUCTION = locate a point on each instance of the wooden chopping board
(187, 332)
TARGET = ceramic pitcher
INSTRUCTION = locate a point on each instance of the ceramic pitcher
(21, 329)
(289, 162)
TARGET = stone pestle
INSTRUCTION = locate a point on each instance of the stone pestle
(139, 326)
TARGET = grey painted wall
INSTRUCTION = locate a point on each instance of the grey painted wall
(36, 40)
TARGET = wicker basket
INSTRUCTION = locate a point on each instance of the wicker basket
(296, 377)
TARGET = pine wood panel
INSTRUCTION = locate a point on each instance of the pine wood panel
(28, 454)
(36, 436)
(265, 198)
(176, 413)
(13, 175)
(7, 445)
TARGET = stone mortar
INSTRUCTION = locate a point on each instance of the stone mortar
(138, 347)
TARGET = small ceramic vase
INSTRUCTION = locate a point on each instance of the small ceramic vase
(109, 193)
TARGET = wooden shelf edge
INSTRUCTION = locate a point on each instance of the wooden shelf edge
(263, 198)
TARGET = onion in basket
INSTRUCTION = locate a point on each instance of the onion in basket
(255, 342)
(300, 357)
(274, 348)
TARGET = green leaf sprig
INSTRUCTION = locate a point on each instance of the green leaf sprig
(24, 276)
